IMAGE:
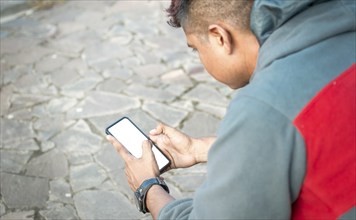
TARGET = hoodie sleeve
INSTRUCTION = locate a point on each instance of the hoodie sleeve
(255, 168)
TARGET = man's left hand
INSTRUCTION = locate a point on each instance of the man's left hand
(137, 170)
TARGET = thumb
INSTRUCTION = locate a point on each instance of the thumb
(147, 147)
(158, 130)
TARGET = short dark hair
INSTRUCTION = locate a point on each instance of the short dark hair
(196, 15)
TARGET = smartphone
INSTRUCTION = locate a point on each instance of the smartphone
(131, 137)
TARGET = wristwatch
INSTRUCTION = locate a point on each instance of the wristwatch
(141, 192)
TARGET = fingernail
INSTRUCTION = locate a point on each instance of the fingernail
(153, 131)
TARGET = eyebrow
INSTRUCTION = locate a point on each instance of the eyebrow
(189, 45)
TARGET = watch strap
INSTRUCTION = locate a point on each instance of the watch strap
(145, 186)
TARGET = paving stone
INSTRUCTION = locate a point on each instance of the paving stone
(201, 125)
(148, 93)
(60, 191)
(2, 208)
(20, 101)
(49, 126)
(79, 88)
(24, 215)
(31, 82)
(60, 104)
(78, 65)
(64, 76)
(212, 109)
(10, 76)
(60, 14)
(28, 27)
(78, 140)
(47, 145)
(6, 95)
(150, 70)
(69, 27)
(13, 161)
(80, 158)
(108, 185)
(121, 39)
(104, 205)
(120, 180)
(23, 192)
(86, 176)
(102, 103)
(67, 46)
(51, 63)
(177, 77)
(108, 158)
(51, 164)
(105, 64)
(193, 68)
(164, 113)
(138, 116)
(70, 71)
(59, 211)
(188, 182)
(186, 105)
(153, 82)
(105, 51)
(27, 56)
(131, 62)
(177, 89)
(22, 130)
(89, 17)
(13, 45)
(146, 57)
(112, 85)
(24, 145)
(206, 94)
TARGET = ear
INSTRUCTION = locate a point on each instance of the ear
(221, 36)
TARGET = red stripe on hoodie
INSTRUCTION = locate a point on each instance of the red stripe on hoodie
(328, 125)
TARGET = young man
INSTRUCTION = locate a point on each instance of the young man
(286, 147)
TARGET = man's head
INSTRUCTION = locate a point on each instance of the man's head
(220, 31)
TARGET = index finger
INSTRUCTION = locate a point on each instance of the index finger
(124, 153)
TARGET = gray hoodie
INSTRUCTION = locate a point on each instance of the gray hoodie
(275, 149)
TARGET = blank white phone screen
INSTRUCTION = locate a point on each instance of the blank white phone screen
(129, 136)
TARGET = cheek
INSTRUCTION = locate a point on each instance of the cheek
(208, 63)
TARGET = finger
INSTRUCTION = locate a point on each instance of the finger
(158, 130)
(147, 148)
(124, 153)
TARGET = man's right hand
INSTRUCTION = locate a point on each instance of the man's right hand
(182, 150)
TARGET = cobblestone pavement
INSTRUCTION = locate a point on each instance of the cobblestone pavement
(68, 72)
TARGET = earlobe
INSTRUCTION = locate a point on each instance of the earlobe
(221, 37)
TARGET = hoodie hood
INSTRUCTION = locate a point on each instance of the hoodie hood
(286, 27)
(268, 15)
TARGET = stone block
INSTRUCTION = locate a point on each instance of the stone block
(52, 164)
(13, 161)
(99, 204)
(102, 103)
(23, 215)
(59, 211)
(206, 94)
(78, 140)
(148, 93)
(86, 176)
(60, 191)
(23, 192)
(201, 125)
(166, 114)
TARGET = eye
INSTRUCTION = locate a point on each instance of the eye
(194, 50)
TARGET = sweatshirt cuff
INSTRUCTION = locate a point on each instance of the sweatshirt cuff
(178, 209)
